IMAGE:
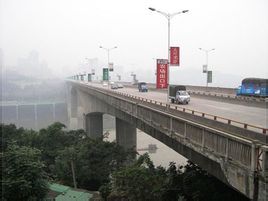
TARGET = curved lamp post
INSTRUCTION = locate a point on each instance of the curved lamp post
(108, 56)
(206, 52)
(168, 16)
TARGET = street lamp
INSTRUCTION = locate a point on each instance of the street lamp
(108, 56)
(168, 16)
(206, 52)
(88, 63)
(119, 77)
(108, 52)
(155, 73)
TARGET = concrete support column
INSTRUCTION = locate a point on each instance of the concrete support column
(254, 155)
(73, 109)
(94, 125)
(35, 117)
(126, 134)
(54, 112)
(74, 103)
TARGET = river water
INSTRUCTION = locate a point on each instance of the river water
(163, 155)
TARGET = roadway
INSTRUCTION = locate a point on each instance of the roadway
(245, 114)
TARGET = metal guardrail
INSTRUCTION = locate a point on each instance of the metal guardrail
(220, 95)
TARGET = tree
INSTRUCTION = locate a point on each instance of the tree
(141, 181)
(173, 185)
(9, 134)
(93, 160)
(53, 140)
(23, 175)
(199, 185)
(65, 166)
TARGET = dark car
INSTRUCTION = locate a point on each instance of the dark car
(142, 86)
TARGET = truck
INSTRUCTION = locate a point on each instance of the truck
(142, 86)
(178, 94)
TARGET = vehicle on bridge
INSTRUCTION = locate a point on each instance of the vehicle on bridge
(114, 86)
(253, 87)
(104, 84)
(142, 86)
(178, 94)
(120, 86)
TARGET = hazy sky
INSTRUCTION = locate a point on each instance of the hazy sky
(64, 32)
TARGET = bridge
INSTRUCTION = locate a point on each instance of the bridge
(220, 142)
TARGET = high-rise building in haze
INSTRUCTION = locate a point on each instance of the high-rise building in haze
(1, 59)
(32, 67)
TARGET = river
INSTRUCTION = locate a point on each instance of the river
(161, 156)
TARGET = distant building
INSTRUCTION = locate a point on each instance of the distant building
(32, 67)
(1, 59)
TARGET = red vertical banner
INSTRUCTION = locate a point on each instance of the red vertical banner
(174, 56)
(161, 76)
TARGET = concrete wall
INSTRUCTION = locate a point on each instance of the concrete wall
(126, 134)
(34, 116)
(94, 125)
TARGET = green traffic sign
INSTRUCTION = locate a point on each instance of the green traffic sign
(209, 76)
(105, 74)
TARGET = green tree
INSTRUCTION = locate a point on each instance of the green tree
(140, 181)
(53, 140)
(63, 167)
(173, 188)
(199, 185)
(93, 160)
(9, 134)
(23, 176)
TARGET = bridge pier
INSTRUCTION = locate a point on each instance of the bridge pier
(72, 108)
(94, 125)
(126, 134)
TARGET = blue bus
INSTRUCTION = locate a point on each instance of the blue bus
(253, 87)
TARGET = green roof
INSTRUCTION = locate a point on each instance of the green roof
(67, 193)
(58, 188)
(73, 195)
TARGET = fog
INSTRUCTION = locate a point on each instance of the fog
(60, 34)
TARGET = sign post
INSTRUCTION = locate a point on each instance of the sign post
(89, 77)
(111, 66)
(205, 68)
(209, 77)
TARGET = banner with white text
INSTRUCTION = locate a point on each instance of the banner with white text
(174, 56)
(161, 73)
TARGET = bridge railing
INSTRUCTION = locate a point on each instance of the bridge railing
(198, 113)
(245, 98)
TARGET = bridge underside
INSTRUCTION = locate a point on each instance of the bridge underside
(209, 165)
